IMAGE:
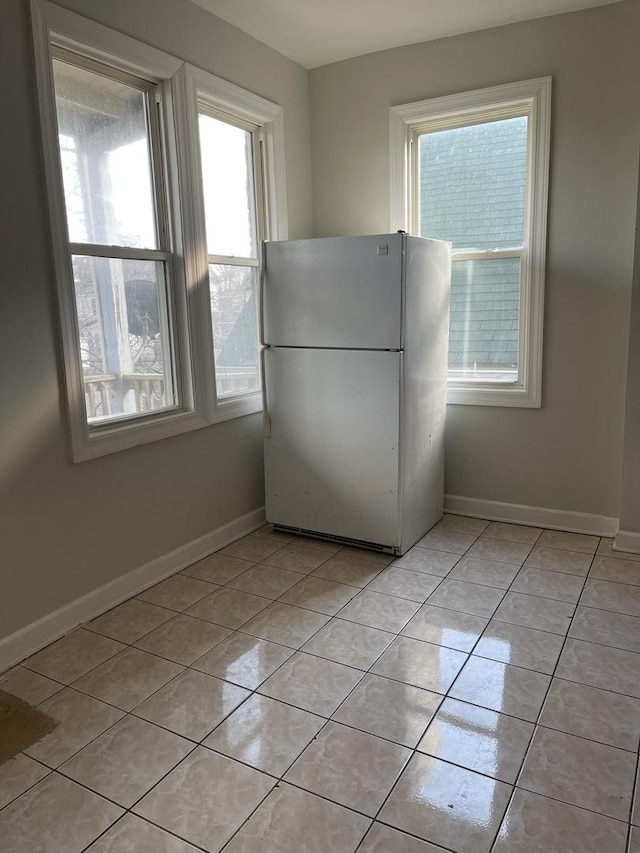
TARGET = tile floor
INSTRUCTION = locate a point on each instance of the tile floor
(482, 693)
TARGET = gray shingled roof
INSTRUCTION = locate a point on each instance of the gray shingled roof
(472, 182)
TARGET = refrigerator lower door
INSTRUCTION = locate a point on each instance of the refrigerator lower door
(331, 453)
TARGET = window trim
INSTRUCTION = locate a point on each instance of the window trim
(532, 98)
(193, 349)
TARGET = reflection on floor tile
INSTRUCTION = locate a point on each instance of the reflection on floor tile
(478, 739)
(447, 805)
(502, 714)
(266, 734)
(535, 824)
(278, 825)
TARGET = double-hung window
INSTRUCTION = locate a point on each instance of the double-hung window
(162, 180)
(473, 169)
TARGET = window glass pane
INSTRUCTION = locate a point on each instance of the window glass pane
(485, 311)
(227, 177)
(472, 184)
(106, 162)
(124, 336)
(232, 292)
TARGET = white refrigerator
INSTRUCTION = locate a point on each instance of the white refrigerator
(355, 334)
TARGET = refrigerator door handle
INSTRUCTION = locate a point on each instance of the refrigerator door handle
(263, 266)
(266, 418)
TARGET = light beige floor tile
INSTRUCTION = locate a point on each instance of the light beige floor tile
(311, 683)
(252, 548)
(616, 570)
(317, 544)
(183, 639)
(228, 607)
(126, 761)
(445, 627)
(461, 524)
(420, 559)
(606, 627)
(205, 799)
(379, 611)
(73, 655)
(389, 709)
(600, 666)
(605, 549)
(128, 678)
(579, 772)
(269, 581)
(466, 597)
(349, 570)
(531, 611)
(535, 824)
(500, 687)
(619, 597)
(559, 560)
(267, 532)
(384, 839)
(514, 553)
(592, 713)
(349, 767)
(285, 624)
(487, 572)
(478, 739)
(569, 541)
(447, 805)
(557, 585)
(634, 840)
(55, 816)
(27, 685)
(277, 826)
(403, 583)
(513, 532)
(130, 620)
(79, 720)
(17, 775)
(346, 642)
(320, 595)
(520, 646)
(132, 834)
(192, 704)
(244, 660)
(443, 539)
(265, 734)
(421, 664)
(367, 554)
(217, 568)
(299, 558)
(177, 592)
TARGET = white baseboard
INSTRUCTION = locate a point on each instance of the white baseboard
(536, 516)
(627, 540)
(16, 647)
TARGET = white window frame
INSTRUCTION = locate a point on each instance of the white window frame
(180, 85)
(533, 99)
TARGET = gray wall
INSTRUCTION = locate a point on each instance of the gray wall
(65, 528)
(630, 505)
(566, 455)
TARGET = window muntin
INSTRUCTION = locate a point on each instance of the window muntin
(232, 222)
(457, 131)
(471, 190)
(108, 143)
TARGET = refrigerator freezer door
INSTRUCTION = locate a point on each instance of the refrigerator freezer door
(342, 292)
(331, 460)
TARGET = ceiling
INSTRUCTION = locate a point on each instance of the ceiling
(316, 32)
